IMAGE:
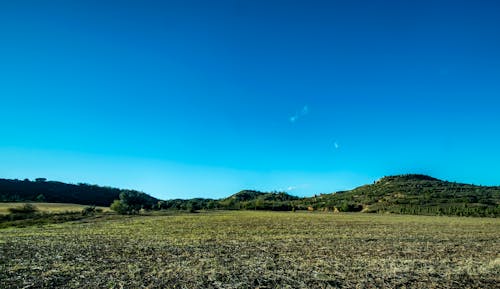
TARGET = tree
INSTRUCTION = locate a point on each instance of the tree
(131, 202)
(137, 200)
(119, 207)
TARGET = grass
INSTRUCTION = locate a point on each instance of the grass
(247, 249)
(47, 207)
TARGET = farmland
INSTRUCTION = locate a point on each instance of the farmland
(252, 249)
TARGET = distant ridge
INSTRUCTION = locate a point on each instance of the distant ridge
(416, 194)
(42, 190)
(250, 199)
(401, 194)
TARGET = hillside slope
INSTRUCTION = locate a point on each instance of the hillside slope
(246, 200)
(249, 199)
(56, 192)
(415, 194)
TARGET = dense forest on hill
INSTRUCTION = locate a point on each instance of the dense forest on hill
(41, 190)
(245, 200)
(414, 194)
(403, 194)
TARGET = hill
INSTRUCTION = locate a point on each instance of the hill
(414, 194)
(246, 199)
(249, 199)
(402, 194)
(42, 190)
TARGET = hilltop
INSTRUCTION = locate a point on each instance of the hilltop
(414, 194)
(249, 199)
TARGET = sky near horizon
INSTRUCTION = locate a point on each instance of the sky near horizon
(186, 99)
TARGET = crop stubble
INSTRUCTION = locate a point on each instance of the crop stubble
(248, 249)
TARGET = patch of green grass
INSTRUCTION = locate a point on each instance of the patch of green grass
(252, 249)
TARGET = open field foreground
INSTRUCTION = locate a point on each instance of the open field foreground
(248, 249)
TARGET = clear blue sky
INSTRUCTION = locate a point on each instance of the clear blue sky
(204, 98)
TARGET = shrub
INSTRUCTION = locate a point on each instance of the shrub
(350, 207)
(119, 207)
(90, 210)
(25, 209)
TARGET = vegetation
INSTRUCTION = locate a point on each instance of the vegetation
(254, 249)
(30, 214)
(42, 190)
(404, 194)
(91, 210)
(246, 200)
(416, 195)
(238, 242)
(26, 209)
(131, 202)
(5, 208)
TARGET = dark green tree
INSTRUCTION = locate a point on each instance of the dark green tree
(40, 198)
(131, 202)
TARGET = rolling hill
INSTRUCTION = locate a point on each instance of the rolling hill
(42, 190)
(414, 194)
(402, 194)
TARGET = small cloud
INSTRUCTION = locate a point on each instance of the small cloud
(335, 145)
(303, 112)
(294, 188)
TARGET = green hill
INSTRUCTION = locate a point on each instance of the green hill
(403, 194)
(249, 199)
(246, 200)
(246, 195)
(42, 190)
(414, 194)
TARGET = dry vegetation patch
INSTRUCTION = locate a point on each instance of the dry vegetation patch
(47, 207)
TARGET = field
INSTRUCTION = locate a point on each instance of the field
(247, 249)
(47, 207)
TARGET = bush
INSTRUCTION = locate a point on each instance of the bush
(90, 210)
(25, 209)
(119, 207)
(350, 207)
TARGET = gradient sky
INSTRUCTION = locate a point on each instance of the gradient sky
(204, 98)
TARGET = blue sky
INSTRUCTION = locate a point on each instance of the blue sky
(204, 98)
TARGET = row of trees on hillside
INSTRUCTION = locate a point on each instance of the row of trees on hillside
(132, 202)
(41, 190)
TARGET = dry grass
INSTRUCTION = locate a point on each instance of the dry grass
(47, 207)
(255, 250)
